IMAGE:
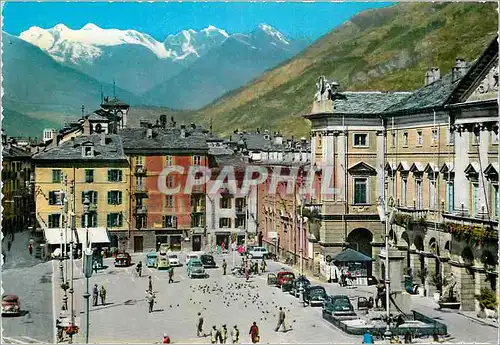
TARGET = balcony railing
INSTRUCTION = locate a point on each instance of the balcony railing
(140, 170)
(198, 209)
(241, 210)
(170, 224)
(140, 189)
(198, 189)
(92, 208)
(141, 210)
(197, 224)
(409, 215)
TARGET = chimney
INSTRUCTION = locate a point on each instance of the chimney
(103, 138)
(193, 126)
(433, 74)
(183, 131)
(278, 139)
(86, 126)
(163, 121)
(458, 71)
(149, 133)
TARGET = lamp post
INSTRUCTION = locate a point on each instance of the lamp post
(60, 195)
(71, 253)
(86, 295)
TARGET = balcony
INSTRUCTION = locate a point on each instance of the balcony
(198, 209)
(405, 216)
(241, 210)
(141, 189)
(197, 223)
(462, 221)
(140, 170)
(141, 210)
(198, 189)
(92, 208)
(170, 223)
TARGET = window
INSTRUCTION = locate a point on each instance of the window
(392, 187)
(56, 198)
(393, 139)
(91, 219)
(404, 189)
(54, 220)
(450, 195)
(89, 175)
(56, 176)
(496, 201)
(432, 194)
(87, 151)
(224, 222)
(115, 220)
(475, 199)
(141, 222)
(170, 201)
(405, 139)
(450, 137)
(196, 160)
(434, 136)
(170, 181)
(240, 222)
(140, 160)
(240, 203)
(114, 175)
(494, 138)
(114, 197)
(169, 222)
(360, 191)
(168, 160)
(92, 195)
(420, 139)
(419, 196)
(225, 202)
(360, 139)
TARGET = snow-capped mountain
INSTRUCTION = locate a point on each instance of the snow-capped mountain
(143, 65)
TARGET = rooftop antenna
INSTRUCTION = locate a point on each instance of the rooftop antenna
(83, 111)
(114, 88)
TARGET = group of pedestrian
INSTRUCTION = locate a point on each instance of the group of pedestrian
(96, 293)
(219, 336)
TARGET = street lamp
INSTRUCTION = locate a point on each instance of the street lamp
(87, 266)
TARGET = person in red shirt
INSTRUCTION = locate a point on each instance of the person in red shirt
(30, 249)
(166, 339)
(254, 333)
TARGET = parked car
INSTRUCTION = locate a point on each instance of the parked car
(339, 305)
(11, 305)
(151, 259)
(257, 253)
(123, 260)
(208, 261)
(297, 284)
(173, 259)
(191, 256)
(162, 262)
(314, 295)
(196, 269)
(283, 277)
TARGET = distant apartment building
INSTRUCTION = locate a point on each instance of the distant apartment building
(91, 173)
(432, 156)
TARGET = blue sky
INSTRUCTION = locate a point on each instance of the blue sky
(305, 20)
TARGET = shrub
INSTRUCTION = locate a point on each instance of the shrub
(487, 299)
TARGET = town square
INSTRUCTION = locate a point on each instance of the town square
(204, 174)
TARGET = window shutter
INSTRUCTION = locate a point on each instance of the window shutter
(109, 221)
(110, 175)
(119, 179)
(110, 199)
(119, 198)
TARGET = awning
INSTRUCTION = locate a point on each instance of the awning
(351, 255)
(53, 235)
(96, 235)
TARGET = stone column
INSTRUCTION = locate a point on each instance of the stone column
(430, 287)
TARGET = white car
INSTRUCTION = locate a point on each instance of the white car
(191, 256)
(258, 253)
(173, 259)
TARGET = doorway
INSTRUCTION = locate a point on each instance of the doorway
(138, 243)
(196, 243)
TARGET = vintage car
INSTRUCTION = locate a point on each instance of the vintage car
(11, 305)
(191, 256)
(151, 259)
(173, 259)
(283, 277)
(314, 295)
(162, 262)
(208, 261)
(257, 253)
(297, 284)
(195, 269)
(338, 305)
(123, 260)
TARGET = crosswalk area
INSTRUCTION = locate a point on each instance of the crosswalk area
(21, 340)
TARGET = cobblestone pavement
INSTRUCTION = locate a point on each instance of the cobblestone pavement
(221, 299)
(463, 327)
(31, 280)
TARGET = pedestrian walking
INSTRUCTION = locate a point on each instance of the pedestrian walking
(139, 268)
(263, 265)
(103, 295)
(95, 295)
(223, 246)
(95, 267)
(223, 334)
(213, 335)
(150, 297)
(254, 333)
(166, 339)
(235, 335)
(224, 266)
(150, 284)
(171, 275)
(30, 249)
(367, 338)
(199, 328)
(281, 321)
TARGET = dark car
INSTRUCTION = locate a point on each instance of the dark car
(314, 295)
(123, 260)
(298, 284)
(338, 305)
(11, 305)
(284, 277)
(208, 261)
